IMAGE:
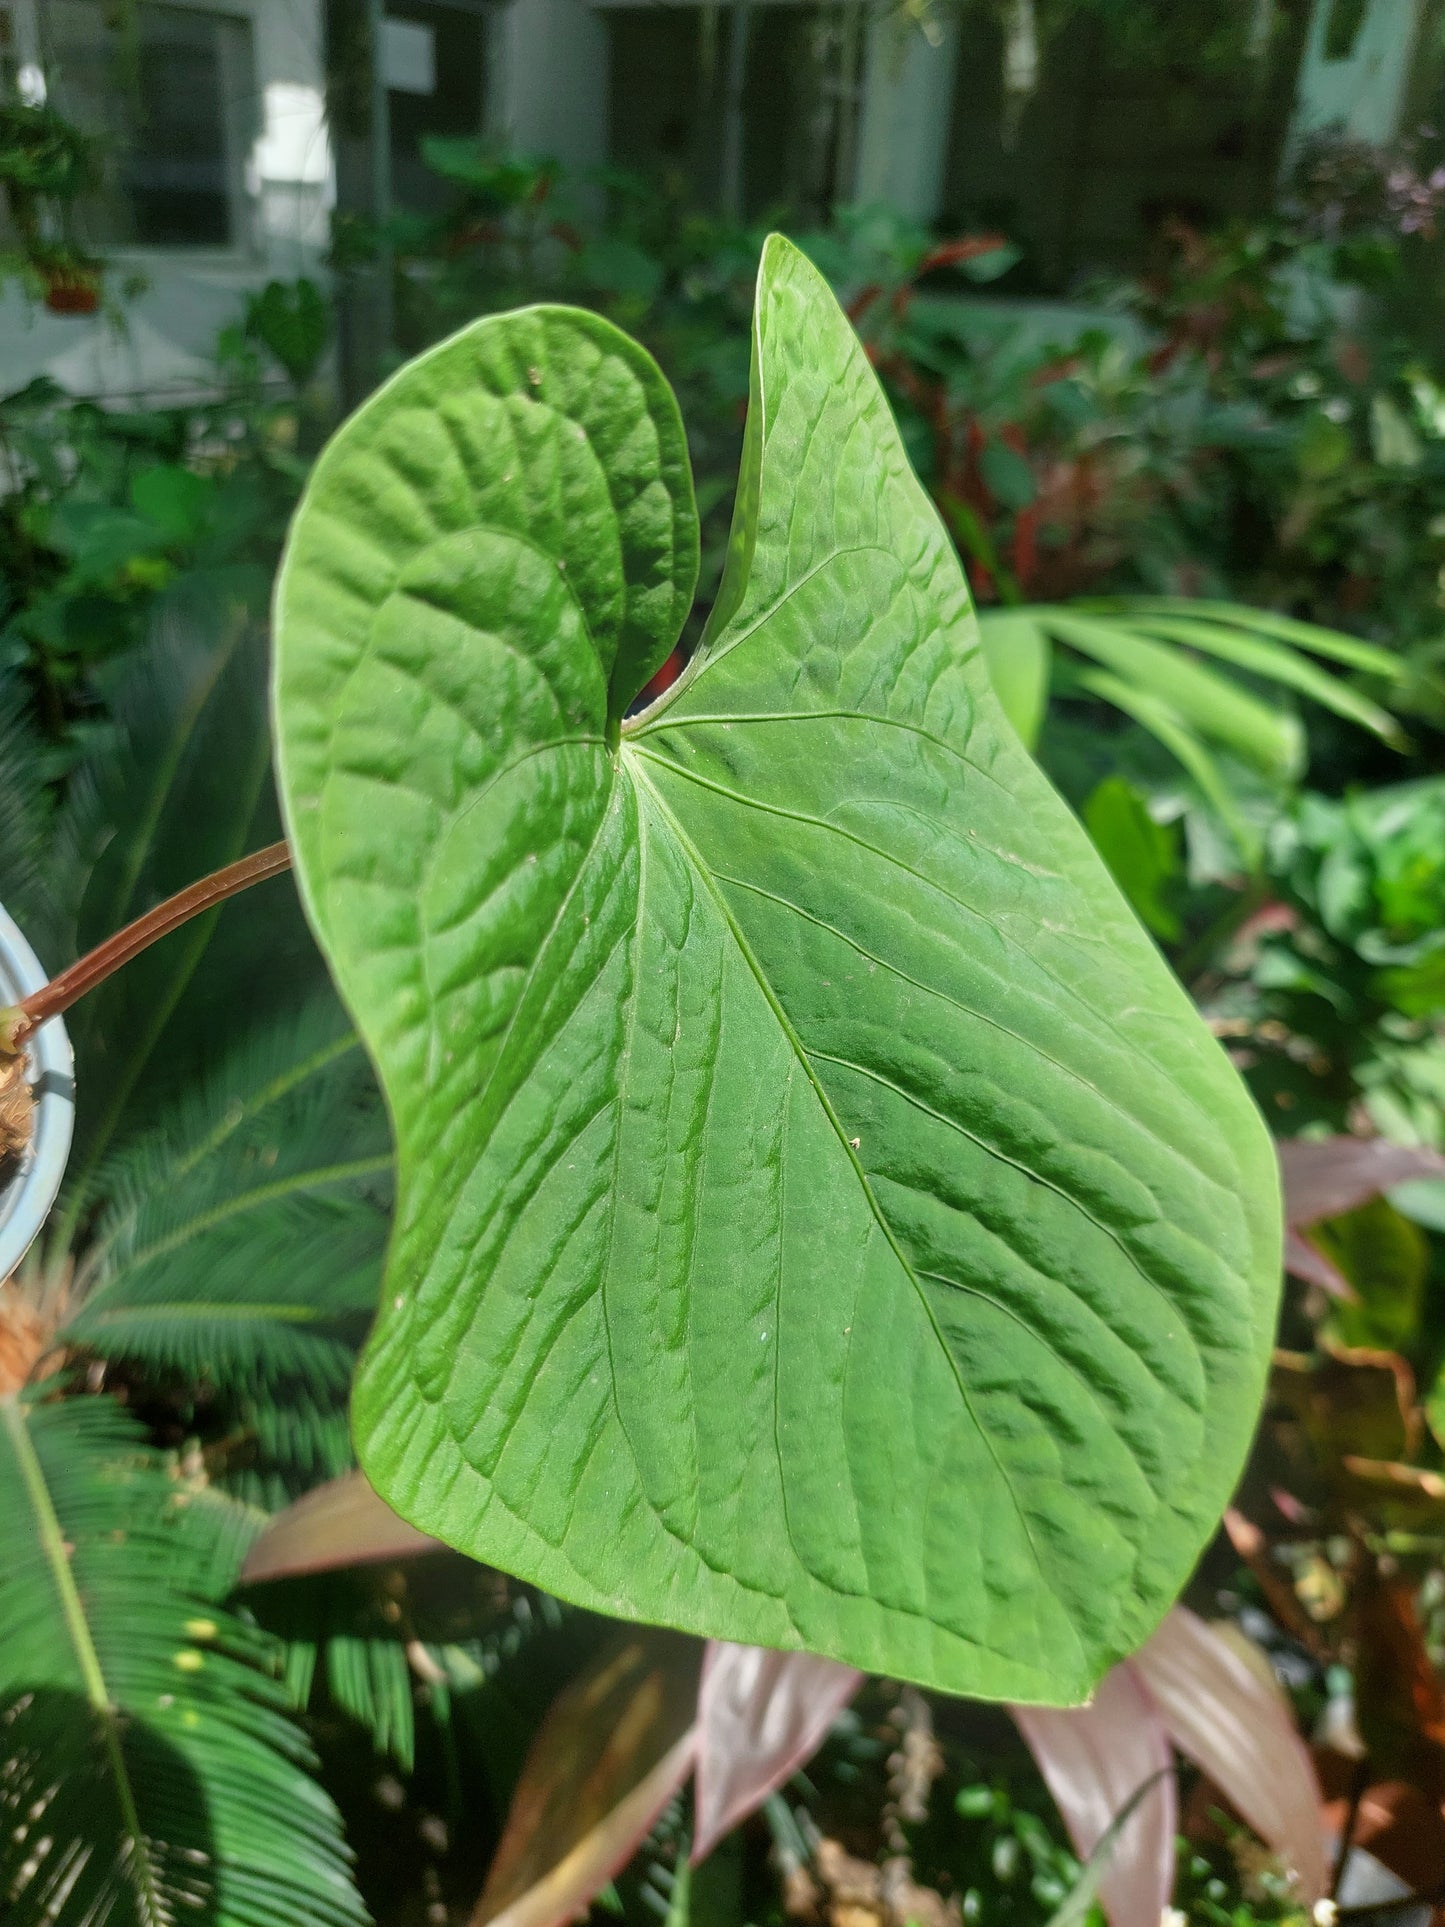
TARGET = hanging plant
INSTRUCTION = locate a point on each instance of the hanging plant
(71, 283)
(46, 164)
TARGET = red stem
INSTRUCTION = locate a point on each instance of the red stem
(92, 969)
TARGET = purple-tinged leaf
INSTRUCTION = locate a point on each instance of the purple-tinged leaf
(1303, 1261)
(760, 1716)
(1326, 1177)
(1235, 1727)
(613, 1749)
(1094, 1759)
(341, 1523)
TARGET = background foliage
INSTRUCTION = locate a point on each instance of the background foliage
(1255, 424)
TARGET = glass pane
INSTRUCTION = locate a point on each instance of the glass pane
(182, 173)
(174, 103)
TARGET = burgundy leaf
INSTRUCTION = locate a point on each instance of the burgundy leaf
(760, 1716)
(1094, 1759)
(1332, 1175)
(1306, 1261)
(1236, 1728)
(341, 1523)
(612, 1751)
(1335, 1174)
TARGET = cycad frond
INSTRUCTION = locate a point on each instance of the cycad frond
(345, 1644)
(243, 1239)
(25, 823)
(176, 788)
(148, 1772)
(241, 1245)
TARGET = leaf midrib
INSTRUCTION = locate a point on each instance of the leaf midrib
(53, 1546)
(635, 761)
(212, 1311)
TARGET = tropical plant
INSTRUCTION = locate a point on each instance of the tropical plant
(854, 880)
(105, 509)
(46, 164)
(148, 1757)
(215, 1255)
(878, 1003)
(1155, 660)
(742, 1721)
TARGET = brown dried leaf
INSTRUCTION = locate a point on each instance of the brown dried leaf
(341, 1523)
(25, 1337)
(1403, 1498)
(1349, 1401)
(610, 1754)
(1399, 1698)
(17, 1114)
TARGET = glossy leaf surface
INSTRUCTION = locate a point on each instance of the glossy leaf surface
(340, 1523)
(1239, 1731)
(822, 1220)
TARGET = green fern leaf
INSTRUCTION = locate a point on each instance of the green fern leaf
(179, 785)
(25, 826)
(148, 1772)
(243, 1240)
(241, 1246)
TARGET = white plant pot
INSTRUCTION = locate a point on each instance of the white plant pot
(50, 1070)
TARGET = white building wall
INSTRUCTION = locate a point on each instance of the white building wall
(907, 113)
(548, 80)
(160, 344)
(1363, 93)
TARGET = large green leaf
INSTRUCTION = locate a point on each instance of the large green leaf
(822, 1219)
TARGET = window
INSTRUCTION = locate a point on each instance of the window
(175, 103)
(20, 51)
(178, 175)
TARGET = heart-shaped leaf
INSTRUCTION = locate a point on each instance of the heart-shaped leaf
(822, 1219)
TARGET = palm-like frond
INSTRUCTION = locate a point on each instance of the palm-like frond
(24, 821)
(148, 1772)
(1157, 660)
(343, 1632)
(177, 787)
(241, 1244)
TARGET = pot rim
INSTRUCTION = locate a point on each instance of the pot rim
(25, 1202)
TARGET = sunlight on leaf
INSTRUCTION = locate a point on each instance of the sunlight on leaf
(341, 1523)
(823, 1221)
(1238, 1730)
(1095, 1760)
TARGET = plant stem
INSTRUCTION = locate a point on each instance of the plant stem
(93, 969)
